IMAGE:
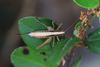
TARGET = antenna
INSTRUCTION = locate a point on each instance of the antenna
(71, 25)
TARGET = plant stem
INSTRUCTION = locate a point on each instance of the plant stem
(90, 22)
(70, 56)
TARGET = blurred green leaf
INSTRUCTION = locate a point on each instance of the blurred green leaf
(87, 3)
(99, 18)
(62, 48)
(76, 63)
(75, 32)
(92, 42)
(26, 57)
(79, 24)
(28, 25)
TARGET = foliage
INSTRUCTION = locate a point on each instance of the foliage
(76, 63)
(60, 49)
(87, 3)
(79, 24)
(48, 56)
(92, 42)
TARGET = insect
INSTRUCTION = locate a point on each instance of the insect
(50, 33)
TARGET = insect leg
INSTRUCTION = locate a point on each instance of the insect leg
(63, 61)
(59, 26)
(58, 29)
(53, 25)
(48, 27)
(53, 41)
(40, 22)
(57, 38)
(47, 41)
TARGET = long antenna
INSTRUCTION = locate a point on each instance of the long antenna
(71, 25)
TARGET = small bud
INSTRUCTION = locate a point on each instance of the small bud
(86, 46)
(73, 54)
(91, 27)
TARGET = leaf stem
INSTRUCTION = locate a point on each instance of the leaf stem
(90, 22)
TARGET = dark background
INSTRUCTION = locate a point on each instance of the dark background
(61, 11)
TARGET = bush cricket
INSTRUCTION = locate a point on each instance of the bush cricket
(50, 33)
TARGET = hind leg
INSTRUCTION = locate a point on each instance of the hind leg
(47, 41)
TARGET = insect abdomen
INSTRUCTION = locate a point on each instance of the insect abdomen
(45, 34)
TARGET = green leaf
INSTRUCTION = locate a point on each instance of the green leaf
(79, 24)
(92, 42)
(62, 48)
(75, 32)
(28, 25)
(26, 57)
(76, 63)
(87, 3)
(99, 18)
